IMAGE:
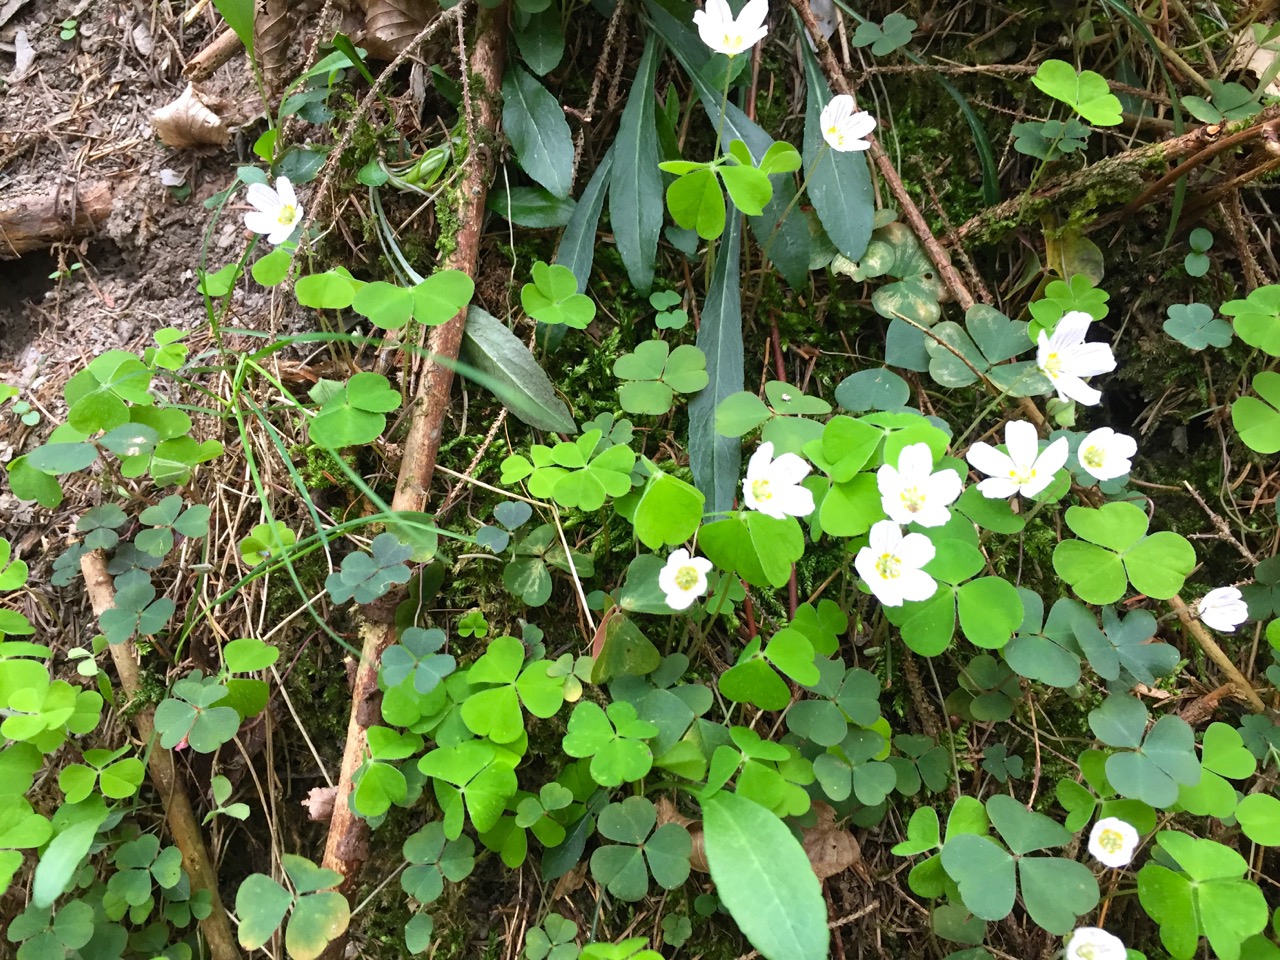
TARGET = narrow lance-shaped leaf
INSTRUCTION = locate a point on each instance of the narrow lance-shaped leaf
(635, 190)
(535, 124)
(577, 249)
(513, 374)
(839, 186)
(715, 459)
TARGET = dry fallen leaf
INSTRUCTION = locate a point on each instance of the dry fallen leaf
(24, 54)
(319, 802)
(1249, 56)
(389, 25)
(831, 849)
(189, 121)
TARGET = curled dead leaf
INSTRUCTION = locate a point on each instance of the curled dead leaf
(831, 849)
(319, 802)
(190, 121)
(570, 882)
(389, 25)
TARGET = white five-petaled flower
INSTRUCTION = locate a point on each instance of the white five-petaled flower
(1065, 358)
(891, 562)
(1113, 842)
(1105, 454)
(1093, 943)
(773, 486)
(724, 33)
(913, 493)
(843, 128)
(1025, 469)
(683, 579)
(275, 212)
(1223, 608)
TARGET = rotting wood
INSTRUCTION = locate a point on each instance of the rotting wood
(183, 826)
(32, 221)
(221, 49)
(347, 846)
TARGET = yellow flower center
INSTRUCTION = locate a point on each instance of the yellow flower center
(760, 490)
(733, 40)
(287, 215)
(1052, 365)
(889, 566)
(1093, 457)
(912, 498)
(687, 578)
(1021, 476)
(1111, 841)
(1086, 952)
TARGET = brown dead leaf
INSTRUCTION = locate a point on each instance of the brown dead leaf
(1249, 56)
(831, 849)
(389, 25)
(570, 882)
(24, 55)
(190, 121)
(319, 802)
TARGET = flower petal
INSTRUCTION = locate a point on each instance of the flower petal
(263, 198)
(1073, 388)
(1071, 329)
(260, 222)
(1090, 359)
(997, 488)
(916, 585)
(793, 501)
(916, 459)
(286, 192)
(945, 487)
(989, 460)
(884, 537)
(758, 465)
(916, 550)
(861, 124)
(753, 16)
(789, 469)
(1022, 441)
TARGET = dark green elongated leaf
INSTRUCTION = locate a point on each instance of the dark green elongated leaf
(716, 459)
(577, 247)
(788, 246)
(839, 186)
(763, 876)
(541, 40)
(538, 131)
(635, 189)
(515, 377)
(531, 207)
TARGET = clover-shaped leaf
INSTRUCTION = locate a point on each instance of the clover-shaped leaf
(1230, 101)
(266, 541)
(552, 940)
(579, 473)
(1085, 92)
(137, 612)
(1151, 764)
(189, 715)
(1054, 890)
(655, 373)
(624, 867)
(553, 297)
(99, 527)
(668, 510)
(1049, 139)
(475, 773)
(493, 709)
(613, 739)
(355, 413)
(884, 37)
(367, 576)
(1195, 327)
(1210, 897)
(434, 859)
(1115, 550)
(167, 518)
(1257, 318)
(1121, 651)
(1223, 757)
(1257, 419)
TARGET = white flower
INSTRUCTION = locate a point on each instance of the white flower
(724, 34)
(1113, 842)
(891, 565)
(842, 128)
(773, 486)
(1024, 469)
(1105, 454)
(275, 212)
(1091, 943)
(683, 579)
(1223, 608)
(913, 493)
(1065, 358)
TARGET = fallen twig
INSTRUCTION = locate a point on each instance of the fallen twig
(183, 826)
(347, 847)
(1244, 689)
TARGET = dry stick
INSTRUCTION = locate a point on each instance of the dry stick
(347, 847)
(953, 280)
(1244, 689)
(183, 826)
